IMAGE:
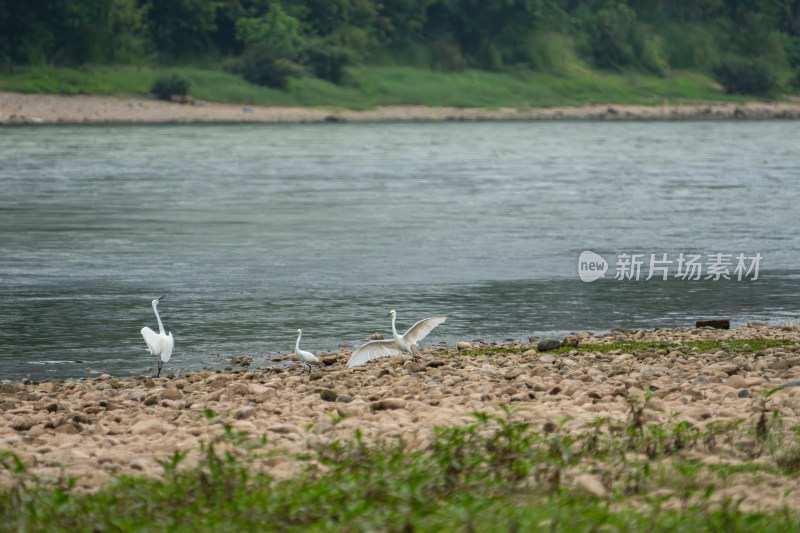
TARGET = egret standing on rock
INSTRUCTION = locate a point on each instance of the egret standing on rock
(302, 355)
(399, 344)
(160, 344)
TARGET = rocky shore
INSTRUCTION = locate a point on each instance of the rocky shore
(83, 109)
(97, 428)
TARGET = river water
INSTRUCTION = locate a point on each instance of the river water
(252, 231)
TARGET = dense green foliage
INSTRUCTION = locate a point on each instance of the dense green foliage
(272, 41)
(166, 86)
(745, 76)
(496, 474)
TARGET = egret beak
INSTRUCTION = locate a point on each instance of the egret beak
(389, 314)
(161, 297)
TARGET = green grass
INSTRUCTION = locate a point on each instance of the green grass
(366, 87)
(496, 474)
(633, 346)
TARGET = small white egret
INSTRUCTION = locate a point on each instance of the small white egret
(302, 355)
(160, 344)
(399, 343)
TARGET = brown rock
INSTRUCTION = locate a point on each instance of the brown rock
(68, 429)
(389, 403)
(284, 429)
(139, 464)
(148, 426)
(22, 423)
(463, 346)
(414, 367)
(328, 395)
(513, 373)
(151, 400)
(591, 484)
(244, 412)
(171, 394)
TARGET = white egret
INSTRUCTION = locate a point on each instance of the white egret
(160, 344)
(302, 355)
(399, 343)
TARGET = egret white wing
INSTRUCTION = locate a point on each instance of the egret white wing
(152, 340)
(420, 330)
(167, 344)
(307, 357)
(373, 350)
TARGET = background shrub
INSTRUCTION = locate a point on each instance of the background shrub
(745, 76)
(260, 65)
(166, 86)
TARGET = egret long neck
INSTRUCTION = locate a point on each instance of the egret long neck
(160, 325)
(394, 330)
(297, 344)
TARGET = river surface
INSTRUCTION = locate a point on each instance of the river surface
(253, 231)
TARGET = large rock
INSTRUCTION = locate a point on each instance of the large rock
(591, 484)
(389, 403)
(548, 344)
(328, 395)
(149, 426)
(414, 367)
(717, 323)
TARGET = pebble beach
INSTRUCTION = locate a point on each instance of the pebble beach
(98, 428)
(18, 108)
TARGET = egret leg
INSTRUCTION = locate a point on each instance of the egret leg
(413, 355)
(160, 364)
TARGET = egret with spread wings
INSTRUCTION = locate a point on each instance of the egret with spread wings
(399, 343)
(160, 344)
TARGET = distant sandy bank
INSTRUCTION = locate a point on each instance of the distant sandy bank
(82, 109)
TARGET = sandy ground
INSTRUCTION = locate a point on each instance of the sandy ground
(100, 427)
(50, 109)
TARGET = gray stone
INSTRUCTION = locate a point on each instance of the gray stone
(344, 398)
(790, 384)
(744, 393)
(547, 358)
(570, 341)
(757, 324)
(702, 379)
(548, 344)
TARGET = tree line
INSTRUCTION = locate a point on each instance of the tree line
(269, 41)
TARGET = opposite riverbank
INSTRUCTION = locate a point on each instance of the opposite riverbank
(16, 108)
(716, 397)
